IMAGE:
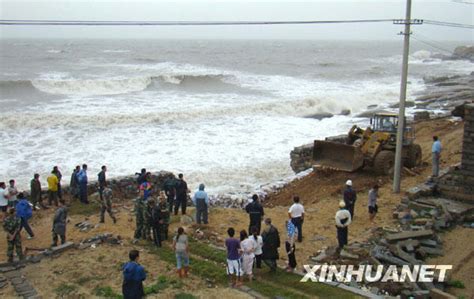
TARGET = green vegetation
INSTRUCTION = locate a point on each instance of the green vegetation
(107, 292)
(77, 208)
(456, 284)
(65, 289)
(83, 280)
(184, 296)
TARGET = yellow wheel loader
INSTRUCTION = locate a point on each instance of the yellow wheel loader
(372, 147)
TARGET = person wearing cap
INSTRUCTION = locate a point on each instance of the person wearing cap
(350, 197)
(255, 211)
(201, 202)
(343, 219)
(296, 214)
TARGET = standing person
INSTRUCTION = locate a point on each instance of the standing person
(82, 182)
(296, 214)
(255, 211)
(343, 219)
(170, 191)
(3, 198)
(373, 208)
(106, 205)
(350, 197)
(148, 219)
(201, 201)
(139, 213)
(156, 223)
(12, 194)
(52, 189)
(181, 249)
(101, 178)
(24, 212)
(12, 226)
(258, 250)
(133, 276)
(234, 268)
(59, 223)
(164, 217)
(248, 246)
(141, 176)
(145, 187)
(291, 233)
(35, 192)
(181, 195)
(271, 243)
(74, 184)
(60, 176)
(436, 154)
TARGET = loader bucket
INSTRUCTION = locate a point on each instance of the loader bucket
(337, 155)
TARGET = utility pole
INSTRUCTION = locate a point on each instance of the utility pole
(403, 93)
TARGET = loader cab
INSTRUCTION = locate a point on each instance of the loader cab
(385, 122)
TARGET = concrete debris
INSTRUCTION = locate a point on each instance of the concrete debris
(409, 235)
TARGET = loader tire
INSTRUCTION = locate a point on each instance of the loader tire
(384, 162)
(413, 156)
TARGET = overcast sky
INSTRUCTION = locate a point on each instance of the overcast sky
(461, 11)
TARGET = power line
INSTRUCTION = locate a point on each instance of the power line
(430, 44)
(448, 24)
(178, 23)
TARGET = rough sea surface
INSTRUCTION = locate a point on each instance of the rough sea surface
(225, 113)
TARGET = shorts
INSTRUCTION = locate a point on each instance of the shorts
(3, 209)
(234, 267)
(373, 210)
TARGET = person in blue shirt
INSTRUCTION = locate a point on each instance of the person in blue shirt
(81, 177)
(24, 212)
(436, 154)
(201, 202)
(133, 277)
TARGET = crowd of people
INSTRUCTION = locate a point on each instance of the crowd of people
(153, 212)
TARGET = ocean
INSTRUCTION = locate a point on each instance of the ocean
(226, 113)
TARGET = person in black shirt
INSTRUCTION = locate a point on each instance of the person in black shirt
(181, 195)
(255, 211)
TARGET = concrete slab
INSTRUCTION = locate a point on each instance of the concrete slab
(409, 235)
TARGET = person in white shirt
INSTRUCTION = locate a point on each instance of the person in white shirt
(296, 214)
(12, 194)
(258, 249)
(3, 198)
(248, 246)
(343, 219)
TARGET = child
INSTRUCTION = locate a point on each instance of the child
(234, 269)
(12, 225)
(258, 249)
(133, 277)
(292, 231)
(181, 249)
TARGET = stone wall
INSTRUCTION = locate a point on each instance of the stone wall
(459, 183)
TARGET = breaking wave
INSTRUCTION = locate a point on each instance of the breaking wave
(114, 86)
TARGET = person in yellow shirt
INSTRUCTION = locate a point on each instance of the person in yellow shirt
(53, 188)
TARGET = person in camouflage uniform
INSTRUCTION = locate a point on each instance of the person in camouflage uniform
(12, 226)
(164, 216)
(148, 219)
(106, 205)
(139, 213)
(156, 224)
(59, 223)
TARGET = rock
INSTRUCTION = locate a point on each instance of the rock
(345, 112)
(320, 116)
(186, 220)
(438, 294)
(409, 235)
(464, 52)
(408, 104)
(421, 115)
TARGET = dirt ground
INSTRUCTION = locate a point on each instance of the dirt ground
(320, 193)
